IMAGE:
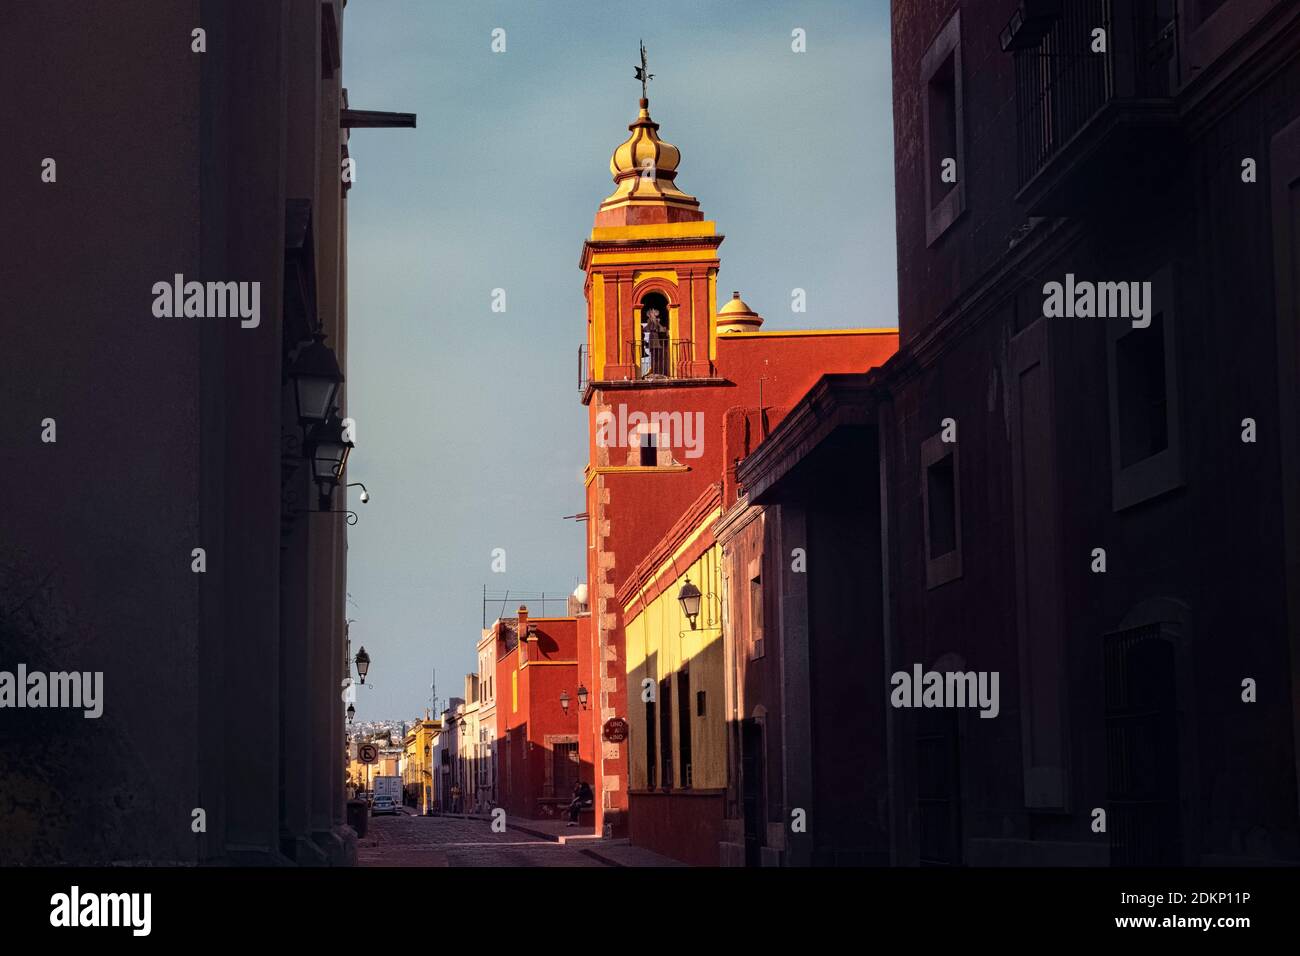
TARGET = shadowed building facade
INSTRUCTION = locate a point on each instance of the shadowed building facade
(1167, 154)
(1097, 503)
(214, 154)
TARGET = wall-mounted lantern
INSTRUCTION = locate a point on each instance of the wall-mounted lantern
(316, 379)
(328, 450)
(689, 598)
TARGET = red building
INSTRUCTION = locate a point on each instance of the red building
(537, 714)
(677, 390)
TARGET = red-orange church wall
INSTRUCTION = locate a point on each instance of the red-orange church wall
(640, 506)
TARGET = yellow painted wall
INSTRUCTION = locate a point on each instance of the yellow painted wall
(668, 275)
(713, 314)
(417, 768)
(659, 230)
(597, 356)
(659, 642)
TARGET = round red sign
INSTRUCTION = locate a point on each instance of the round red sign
(615, 730)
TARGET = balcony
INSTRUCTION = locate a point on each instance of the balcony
(662, 359)
(665, 361)
(1093, 127)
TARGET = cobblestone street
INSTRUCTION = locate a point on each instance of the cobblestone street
(406, 840)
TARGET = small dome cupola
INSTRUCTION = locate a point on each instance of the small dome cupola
(736, 316)
(644, 168)
(644, 151)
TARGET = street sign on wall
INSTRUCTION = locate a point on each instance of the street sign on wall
(615, 730)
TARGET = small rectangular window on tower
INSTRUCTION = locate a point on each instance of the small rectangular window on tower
(649, 449)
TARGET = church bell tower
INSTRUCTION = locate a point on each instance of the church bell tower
(651, 265)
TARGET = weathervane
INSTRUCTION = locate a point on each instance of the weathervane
(642, 75)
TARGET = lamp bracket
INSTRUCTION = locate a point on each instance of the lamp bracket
(352, 516)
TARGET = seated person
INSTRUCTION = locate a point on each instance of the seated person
(583, 799)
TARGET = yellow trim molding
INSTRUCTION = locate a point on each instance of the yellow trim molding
(800, 332)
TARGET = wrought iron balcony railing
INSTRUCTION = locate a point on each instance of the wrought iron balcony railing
(662, 359)
(1067, 74)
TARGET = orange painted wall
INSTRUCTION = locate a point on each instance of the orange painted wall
(549, 666)
(644, 504)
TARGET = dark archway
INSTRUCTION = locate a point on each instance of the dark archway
(654, 335)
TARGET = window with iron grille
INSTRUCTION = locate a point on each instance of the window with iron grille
(1142, 767)
(938, 788)
(684, 724)
(651, 756)
(666, 732)
(564, 773)
(1063, 81)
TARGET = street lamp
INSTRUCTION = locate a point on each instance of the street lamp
(363, 663)
(427, 788)
(582, 696)
(352, 712)
(316, 380)
(328, 450)
(689, 598)
(564, 701)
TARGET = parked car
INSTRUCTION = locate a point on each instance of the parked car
(383, 804)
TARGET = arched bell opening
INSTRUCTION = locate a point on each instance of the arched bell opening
(655, 343)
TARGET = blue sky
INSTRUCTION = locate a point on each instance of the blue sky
(470, 434)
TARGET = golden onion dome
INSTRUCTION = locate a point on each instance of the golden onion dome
(644, 167)
(737, 316)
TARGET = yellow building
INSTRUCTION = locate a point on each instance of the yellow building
(677, 746)
(417, 764)
(470, 748)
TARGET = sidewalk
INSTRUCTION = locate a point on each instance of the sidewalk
(554, 830)
(623, 853)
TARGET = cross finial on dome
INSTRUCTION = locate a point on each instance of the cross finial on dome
(642, 74)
